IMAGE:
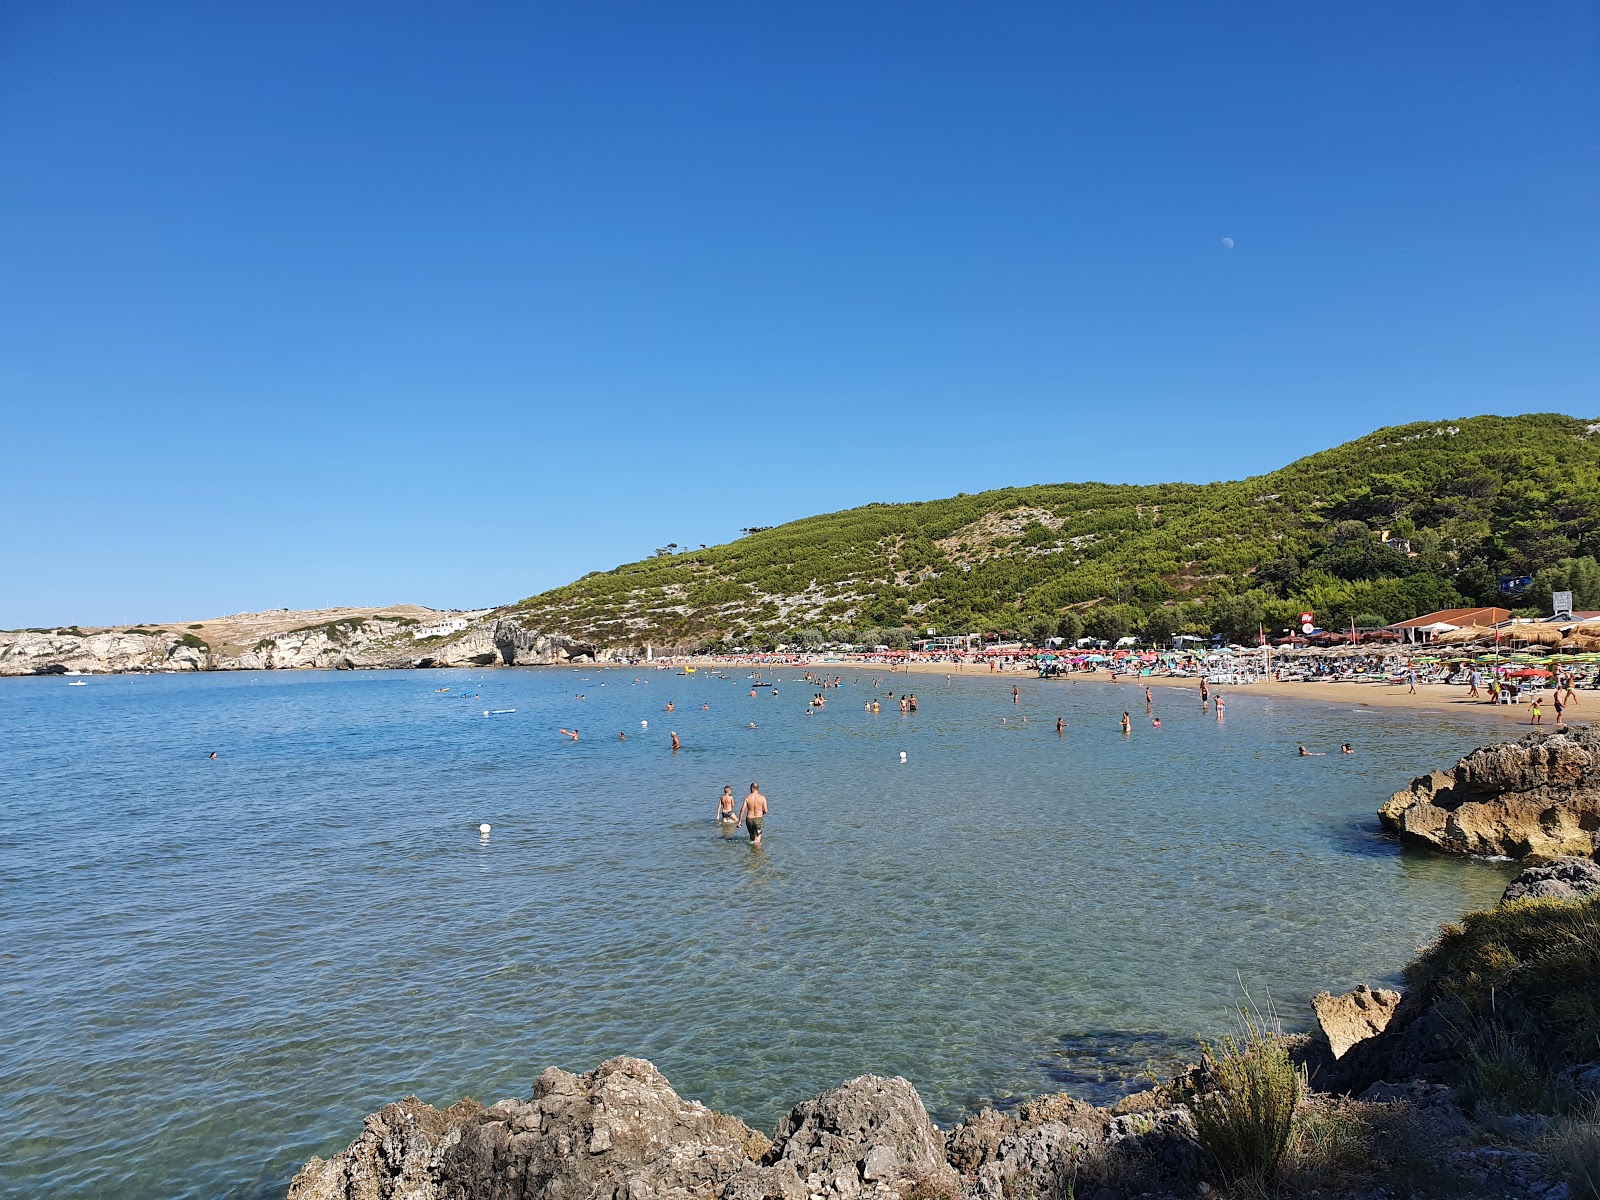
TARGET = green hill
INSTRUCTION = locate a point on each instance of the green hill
(1474, 500)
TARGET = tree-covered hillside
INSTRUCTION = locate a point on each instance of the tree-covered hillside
(1405, 520)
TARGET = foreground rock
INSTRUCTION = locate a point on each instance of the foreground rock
(1561, 879)
(1353, 1017)
(330, 639)
(1539, 795)
(621, 1133)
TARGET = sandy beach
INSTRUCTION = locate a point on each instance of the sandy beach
(1429, 697)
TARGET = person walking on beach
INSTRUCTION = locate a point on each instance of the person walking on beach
(1472, 686)
(1411, 677)
(754, 812)
(1537, 717)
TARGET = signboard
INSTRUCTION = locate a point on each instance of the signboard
(1561, 604)
(1306, 622)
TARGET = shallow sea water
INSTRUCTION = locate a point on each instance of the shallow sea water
(213, 969)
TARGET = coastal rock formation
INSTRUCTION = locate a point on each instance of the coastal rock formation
(1539, 795)
(1353, 1017)
(346, 639)
(397, 1155)
(621, 1133)
(870, 1130)
(1562, 879)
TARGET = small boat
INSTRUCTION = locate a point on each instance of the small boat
(498, 712)
(77, 683)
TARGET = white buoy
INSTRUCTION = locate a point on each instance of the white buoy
(484, 829)
(486, 712)
(902, 756)
(644, 724)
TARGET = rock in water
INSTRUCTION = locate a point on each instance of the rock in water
(1563, 879)
(1355, 1016)
(1537, 795)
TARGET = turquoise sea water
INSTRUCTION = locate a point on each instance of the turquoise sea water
(213, 969)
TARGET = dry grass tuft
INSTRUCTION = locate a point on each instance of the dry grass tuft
(1247, 1118)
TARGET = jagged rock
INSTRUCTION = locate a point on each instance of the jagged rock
(1044, 1157)
(1353, 1017)
(618, 1132)
(1563, 879)
(1159, 1148)
(872, 1126)
(395, 1158)
(978, 1139)
(1539, 795)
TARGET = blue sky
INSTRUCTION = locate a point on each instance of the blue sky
(311, 304)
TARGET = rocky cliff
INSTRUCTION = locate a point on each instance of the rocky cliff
(346, 638)
(1539, 795)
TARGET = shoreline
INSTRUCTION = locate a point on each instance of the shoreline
(1429, 698)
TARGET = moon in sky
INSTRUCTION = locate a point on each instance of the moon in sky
(1227, 243)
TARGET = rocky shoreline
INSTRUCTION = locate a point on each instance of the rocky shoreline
(1537, 796)
(1426, 1093)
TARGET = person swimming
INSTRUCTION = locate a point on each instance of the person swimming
(1304, 753)
(676, 744)
(571, 733)
(1346, 749)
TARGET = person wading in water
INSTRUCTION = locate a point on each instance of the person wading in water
(754, 812)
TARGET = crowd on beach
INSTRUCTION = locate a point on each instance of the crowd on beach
(1493, 677)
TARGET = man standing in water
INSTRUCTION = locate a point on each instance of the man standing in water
(754, 812)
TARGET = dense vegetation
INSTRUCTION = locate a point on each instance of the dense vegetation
(1406, 520)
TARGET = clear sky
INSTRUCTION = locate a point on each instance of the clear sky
(323, 303)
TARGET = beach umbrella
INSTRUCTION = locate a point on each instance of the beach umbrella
(1459, 637)
(1539, 635)
(1526, 672)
